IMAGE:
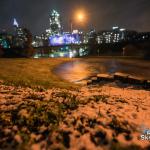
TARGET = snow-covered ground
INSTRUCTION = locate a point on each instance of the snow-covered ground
(92, 117)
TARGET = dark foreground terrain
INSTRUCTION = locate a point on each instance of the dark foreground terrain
(99, 117)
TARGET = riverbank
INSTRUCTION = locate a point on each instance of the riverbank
(93, 117)
(39, 110)
(33, 72)
(81, 69)
(59, 72)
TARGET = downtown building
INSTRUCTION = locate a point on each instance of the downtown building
(20, 35)
(55, 24)
(111, 36)
(54, 35)
(40, 41)
(17, 37)
(118, 35)
(55, 29)
(115, 35)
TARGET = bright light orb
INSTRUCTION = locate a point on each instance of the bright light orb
(80, 16)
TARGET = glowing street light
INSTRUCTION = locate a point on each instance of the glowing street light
(80, 16)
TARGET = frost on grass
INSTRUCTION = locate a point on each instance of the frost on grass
(96, 117)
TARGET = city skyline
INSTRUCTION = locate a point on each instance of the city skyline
(101, 14)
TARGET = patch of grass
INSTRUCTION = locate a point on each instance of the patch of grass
(102, 98)
(31, 115)
(37, 114)
(33, 73)
(35, 96)
(69, 101)
(120, 126)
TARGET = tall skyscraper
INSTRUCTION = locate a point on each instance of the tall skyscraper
(55, 24)
(15, 23)
(20, 36)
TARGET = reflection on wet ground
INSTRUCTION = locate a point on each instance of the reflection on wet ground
(75, 71)
(81, 69)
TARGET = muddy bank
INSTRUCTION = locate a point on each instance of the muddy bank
(81, 69)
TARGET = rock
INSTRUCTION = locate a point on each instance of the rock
(147, 84)
(89, 82)
(135, 80)
(121, 76)
(105, 77)
(94, 79)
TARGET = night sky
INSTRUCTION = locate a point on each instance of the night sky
(102, 14)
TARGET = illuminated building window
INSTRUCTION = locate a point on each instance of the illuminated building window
(55, 24)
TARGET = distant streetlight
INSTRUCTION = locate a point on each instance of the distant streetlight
(79, 17)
